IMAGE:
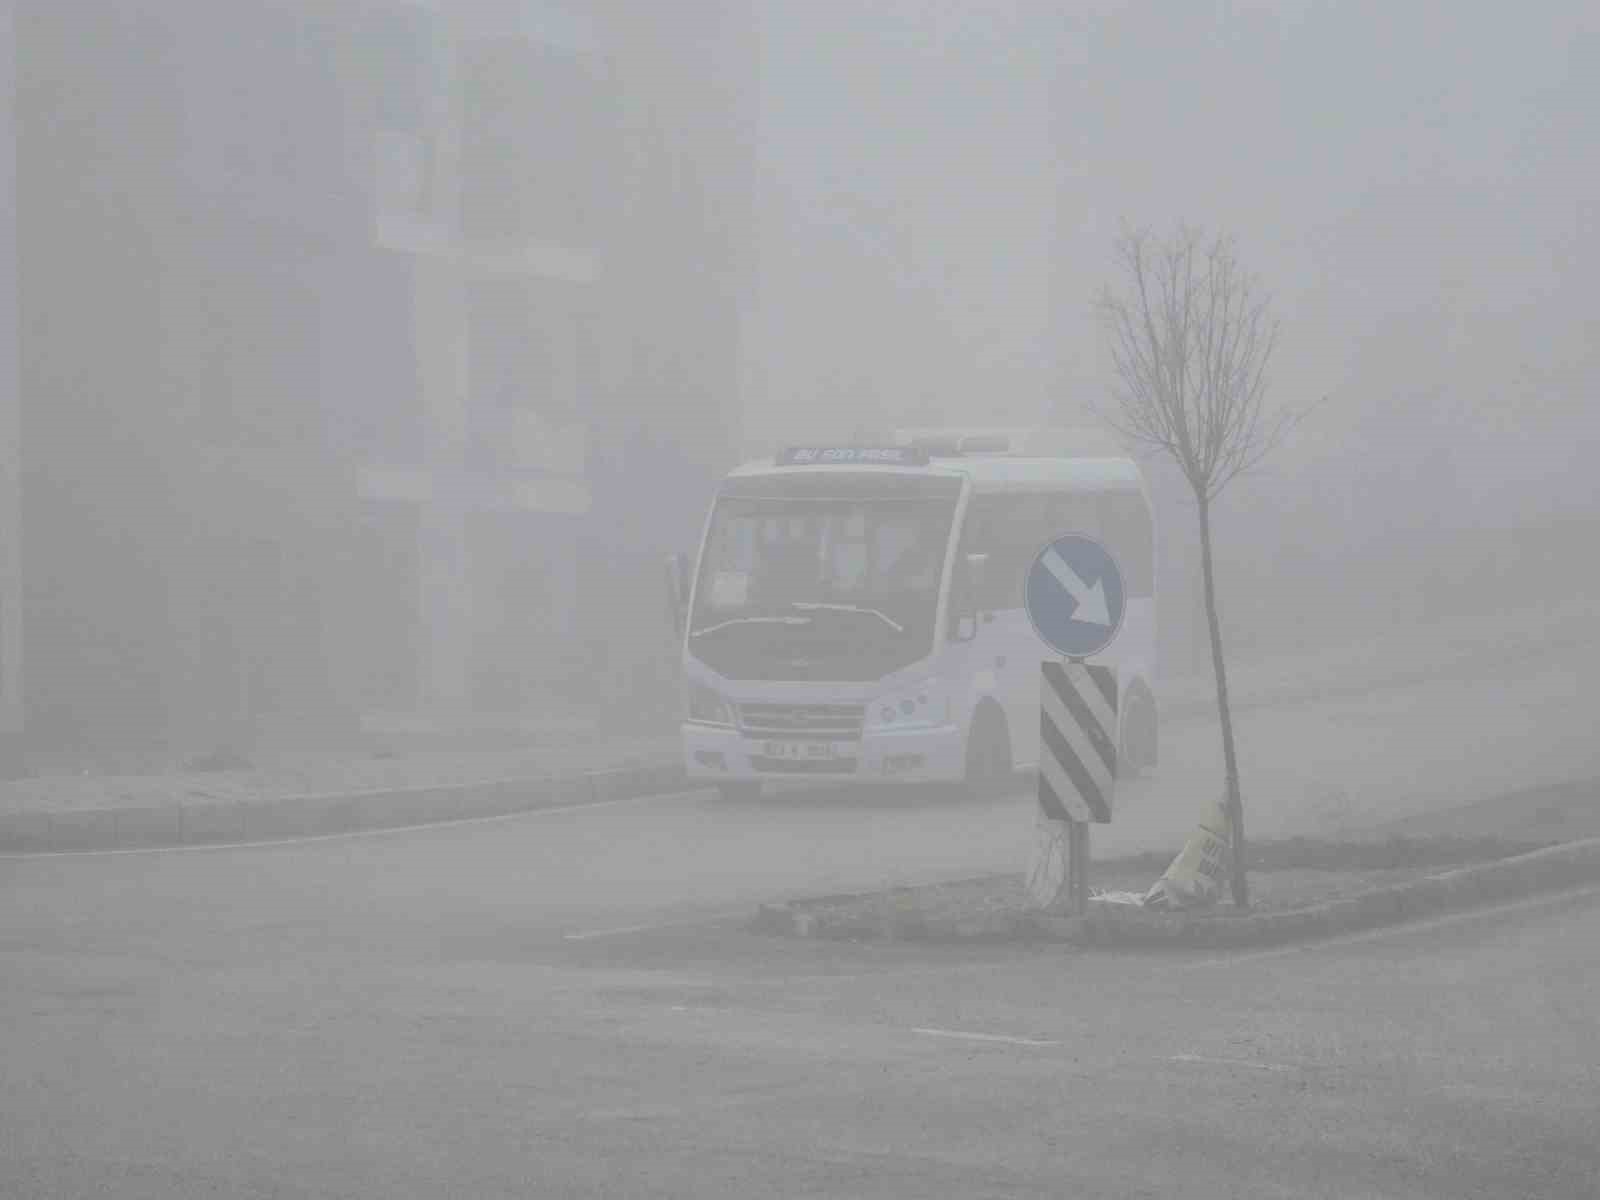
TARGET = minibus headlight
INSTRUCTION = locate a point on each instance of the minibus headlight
(704, 706)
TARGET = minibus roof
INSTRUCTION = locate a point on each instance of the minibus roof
(988, 473)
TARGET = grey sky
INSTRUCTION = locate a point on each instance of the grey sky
(1413, 182)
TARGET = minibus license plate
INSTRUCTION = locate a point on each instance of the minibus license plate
(801, 750)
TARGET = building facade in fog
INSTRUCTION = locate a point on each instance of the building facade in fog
(372, 352)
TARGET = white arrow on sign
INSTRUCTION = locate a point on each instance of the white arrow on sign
(1091, 601)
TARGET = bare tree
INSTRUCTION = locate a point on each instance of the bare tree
(1191, 336)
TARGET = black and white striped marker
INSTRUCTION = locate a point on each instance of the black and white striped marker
(1077, 741)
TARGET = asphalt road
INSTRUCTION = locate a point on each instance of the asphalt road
(305, 1022)
(564, 1004)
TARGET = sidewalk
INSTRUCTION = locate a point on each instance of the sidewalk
(285, 794)
(1462, 647)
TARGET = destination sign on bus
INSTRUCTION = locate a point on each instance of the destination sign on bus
(867, 456)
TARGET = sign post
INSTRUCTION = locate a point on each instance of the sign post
(1075, 600)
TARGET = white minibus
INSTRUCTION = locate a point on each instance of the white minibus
(856, 614)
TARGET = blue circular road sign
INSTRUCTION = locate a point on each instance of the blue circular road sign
(1075, 596)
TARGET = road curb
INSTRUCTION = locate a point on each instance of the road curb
(184, 823)
(1553, 868)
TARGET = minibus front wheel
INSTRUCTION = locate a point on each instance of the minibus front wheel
(988, 761)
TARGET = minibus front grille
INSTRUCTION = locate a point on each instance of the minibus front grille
(833, 722)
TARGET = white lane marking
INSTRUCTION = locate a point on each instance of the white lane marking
(1002, 1039)
(1204, 1061)
(386, 831)
(1371, 935)
(589, 935)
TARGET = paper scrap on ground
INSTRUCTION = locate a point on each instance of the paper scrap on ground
(1196, 876)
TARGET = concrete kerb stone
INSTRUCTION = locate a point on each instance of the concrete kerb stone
(201, 822)
(24, 830)
(210, 822)
(89, 830)
(1553, 868)
(286, 816)
(403, 806)
(149, 826)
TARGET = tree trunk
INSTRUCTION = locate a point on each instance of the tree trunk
(1230, 764)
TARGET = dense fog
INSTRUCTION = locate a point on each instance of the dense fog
(370, 357)
(579, 615)
(942, 185)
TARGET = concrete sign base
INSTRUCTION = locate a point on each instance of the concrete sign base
(1049, 882)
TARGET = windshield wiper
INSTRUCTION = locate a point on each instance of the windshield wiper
(750, 621)
(851, 608)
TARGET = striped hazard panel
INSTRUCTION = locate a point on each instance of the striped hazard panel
(1077, 741)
